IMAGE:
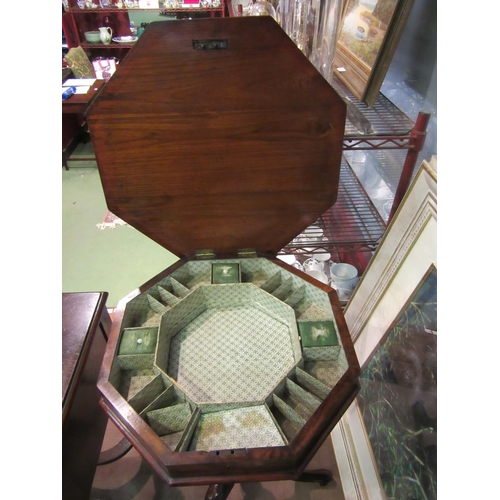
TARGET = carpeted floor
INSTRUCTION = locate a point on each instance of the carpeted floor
(115, 258)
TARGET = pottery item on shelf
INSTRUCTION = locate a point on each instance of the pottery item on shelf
(106, 33)
(92, 36)
(344, 294)
(322, 257)
(313, 264)
(344, 275)
(319, 275)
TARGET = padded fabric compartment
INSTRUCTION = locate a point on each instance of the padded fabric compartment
(246, 427)
(227, 369)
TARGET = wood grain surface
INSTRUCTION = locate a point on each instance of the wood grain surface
(218, 149)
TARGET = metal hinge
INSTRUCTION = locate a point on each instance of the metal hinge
(212, 44)
(247, 252)
(205, 254)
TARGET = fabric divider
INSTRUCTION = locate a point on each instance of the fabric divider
(169, 419)
(156, 305)
(312, 384)
(288, 412)
(289, 421)
(296, 297)
(132, 381)
(169, 298)
(179, 289)
(166, 398)
(305, 398)
(147, 394)
(187, 435)
(272, 283)
(284, 289)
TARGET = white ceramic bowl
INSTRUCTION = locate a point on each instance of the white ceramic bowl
(92, 37)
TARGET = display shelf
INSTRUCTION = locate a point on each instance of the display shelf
(79, 20)
(352, 224)
(116, 10)
(112, 45)
(382, 126)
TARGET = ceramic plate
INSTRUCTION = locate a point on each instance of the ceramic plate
(125, 39)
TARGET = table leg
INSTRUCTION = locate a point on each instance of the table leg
(321, 476)
(115, 453)
(219, 491)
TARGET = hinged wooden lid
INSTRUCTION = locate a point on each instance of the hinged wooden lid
(219, 134)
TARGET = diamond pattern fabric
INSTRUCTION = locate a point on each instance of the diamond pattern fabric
(237, 355)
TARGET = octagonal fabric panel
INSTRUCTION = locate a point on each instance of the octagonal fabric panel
(223, 149)
(236, 350)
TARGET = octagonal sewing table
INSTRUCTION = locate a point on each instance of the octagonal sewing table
(219, 140)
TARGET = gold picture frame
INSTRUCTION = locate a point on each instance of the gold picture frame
(367, 42)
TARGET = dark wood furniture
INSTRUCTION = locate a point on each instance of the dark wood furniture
(85, 327)
(74, 110)
(77, 21)
(216, 148)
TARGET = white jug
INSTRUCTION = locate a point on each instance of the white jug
(106, 34)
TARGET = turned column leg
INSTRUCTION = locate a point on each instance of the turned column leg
(219, 491)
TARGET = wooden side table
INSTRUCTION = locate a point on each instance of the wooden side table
(74, 110)
(85, 327)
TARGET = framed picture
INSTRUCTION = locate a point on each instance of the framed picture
(368, 38)
(385, 444)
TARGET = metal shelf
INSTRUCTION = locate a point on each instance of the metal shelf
(353, 224)
(383, 126)
(112, 45)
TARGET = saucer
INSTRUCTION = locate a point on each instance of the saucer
(125, 39)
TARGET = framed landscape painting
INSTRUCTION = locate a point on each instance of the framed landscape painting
(370, 32)
(386, 442)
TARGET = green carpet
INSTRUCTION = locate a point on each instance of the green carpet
(116, 260)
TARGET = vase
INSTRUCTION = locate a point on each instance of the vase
(105, 35)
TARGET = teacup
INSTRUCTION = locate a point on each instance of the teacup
(323, 257)
(313, 264)
(343, 272)
(344, 275)
(298, 265)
